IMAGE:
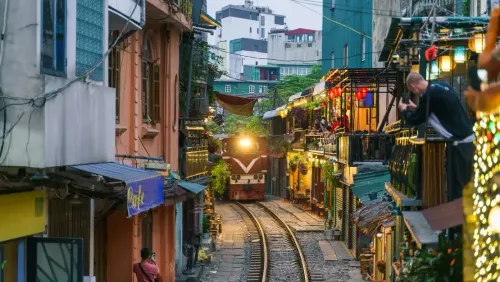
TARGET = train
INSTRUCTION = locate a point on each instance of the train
(246, 157)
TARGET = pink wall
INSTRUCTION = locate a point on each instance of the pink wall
(165, 143)
(119, 244)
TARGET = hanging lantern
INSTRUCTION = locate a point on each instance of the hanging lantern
(431, 53)
(316, 104)
(363, 91)
(477, 42)
(359, 95)
(331, 93)
(434, 68)
(338, 92)
(446, 64)
(459, 54)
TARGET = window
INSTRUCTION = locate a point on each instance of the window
(346, 56)
(261, 89)
(363, 48)
(333, 4)
(114, 70)
(263, 32)
(53, 45)
(262, 20)
(264, 89)
(251, 89)
(150, 86)
(332, 60)
(310, 38)
(227, 88)
(250, 29)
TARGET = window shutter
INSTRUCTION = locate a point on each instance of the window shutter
(156, 94)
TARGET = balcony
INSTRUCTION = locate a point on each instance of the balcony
(360, 148)
(321, 143)
(196, 162)
(121, 10)
(422, 8)
(175, 12)
(418, 170)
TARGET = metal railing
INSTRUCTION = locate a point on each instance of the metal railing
(196, 162)
(185, 7)
(360, 148)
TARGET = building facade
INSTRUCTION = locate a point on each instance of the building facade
(245, 52)
(244, 21)
(83, 126)
(294, 51)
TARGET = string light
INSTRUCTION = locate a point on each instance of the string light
(486, 211)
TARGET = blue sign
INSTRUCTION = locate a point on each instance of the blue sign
(144, 195)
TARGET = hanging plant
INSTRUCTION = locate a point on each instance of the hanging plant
(298, 113)
(303, 168)
(293, 163)
(278, 146)
(219, 176)
(329, 171)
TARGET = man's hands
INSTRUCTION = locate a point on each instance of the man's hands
(402, 106)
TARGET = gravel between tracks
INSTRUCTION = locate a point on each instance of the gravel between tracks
(337, 270)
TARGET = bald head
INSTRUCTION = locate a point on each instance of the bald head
(416, 83)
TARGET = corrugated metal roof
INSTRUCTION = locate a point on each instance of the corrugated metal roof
(300, 31)
(127, 174)
(368, 180)
(445, 216)
(269, 114)
(192, 187)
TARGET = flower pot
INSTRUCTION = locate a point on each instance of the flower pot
(329, 234)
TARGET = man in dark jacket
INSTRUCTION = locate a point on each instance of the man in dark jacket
(448, 117)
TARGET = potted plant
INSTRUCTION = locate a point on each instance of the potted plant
(206, 226)
(293, 163)
(303, 168)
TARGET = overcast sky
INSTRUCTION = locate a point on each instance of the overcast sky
(297, 16)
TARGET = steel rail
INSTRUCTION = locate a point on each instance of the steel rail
(262, 236)
(303, 263)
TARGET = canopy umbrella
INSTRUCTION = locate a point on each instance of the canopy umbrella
(236, 105)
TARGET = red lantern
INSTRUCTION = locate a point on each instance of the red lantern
(431, 53)
(337, 92)
(359, 95)
(363, 92)
(331, 93)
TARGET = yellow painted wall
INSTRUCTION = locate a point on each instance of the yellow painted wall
(22, 214)
(10, 258)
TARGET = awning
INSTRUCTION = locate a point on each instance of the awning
(209, 20)
(370, 217)
(269, 114)
(191, 187)
(144, 187)
(420, 229)
(295, 97)
(445, 216)
(369, 183)
(319, 88)
(236, 105)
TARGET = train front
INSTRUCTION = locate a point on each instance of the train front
(247, 159)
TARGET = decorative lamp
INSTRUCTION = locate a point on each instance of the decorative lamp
(445, 63)
(477, 42)
(434, 68)
(359, 96)
(364, 90)
(459, 54)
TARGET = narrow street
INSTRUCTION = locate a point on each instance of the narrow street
(329, 260)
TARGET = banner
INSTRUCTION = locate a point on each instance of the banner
(144, 195)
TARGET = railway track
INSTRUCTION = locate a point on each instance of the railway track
(280, 255)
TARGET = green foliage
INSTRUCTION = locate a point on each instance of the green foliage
(202, 255)
(203, 61)
(253, 125)
(443, 265)
(278, 145)
(206, 223)
(291, 84)
(218, 177)
(329, 171)
(293, 163)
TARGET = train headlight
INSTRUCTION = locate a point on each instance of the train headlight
(261, 176)
(238, 177)
(233, 177)
(255, 176)
(245, 142)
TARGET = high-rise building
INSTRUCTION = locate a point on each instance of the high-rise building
(247, 24)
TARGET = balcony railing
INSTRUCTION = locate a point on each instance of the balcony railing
(196, 162)
(418, 170)
(321, 143)
(360, 148)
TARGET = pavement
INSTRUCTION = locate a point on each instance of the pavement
(228, 261)
(299, 220)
